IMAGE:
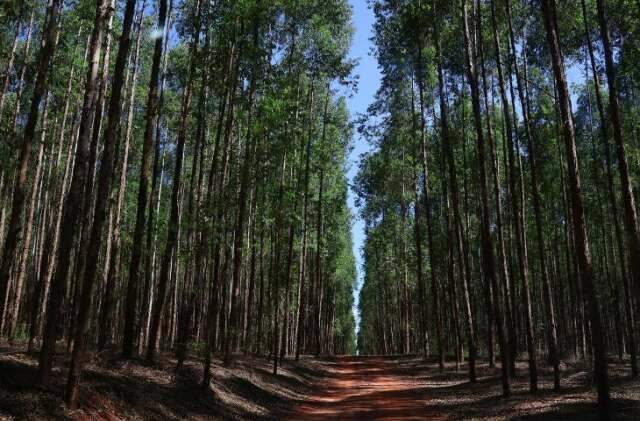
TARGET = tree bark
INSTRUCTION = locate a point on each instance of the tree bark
(74, 199)
(113, 270)
(240, 216)
(488, 261)
(49, 41)
(12, 57)
(26, 242)
(577, 205)
(303, 251)
(537, 208)
(104, 185)
(143, 189)
(173, 225)
(517, 211)
(629, 206)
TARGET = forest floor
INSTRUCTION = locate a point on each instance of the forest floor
(407, 388)
(115, 389)
(342, 388)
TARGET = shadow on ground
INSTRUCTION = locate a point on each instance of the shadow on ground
(118, 389)
(408, 388)
(340, 388)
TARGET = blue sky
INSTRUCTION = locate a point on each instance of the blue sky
(363, 20)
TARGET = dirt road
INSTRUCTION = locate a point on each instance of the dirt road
(360, 388)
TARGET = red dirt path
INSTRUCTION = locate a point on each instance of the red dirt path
(360, 388)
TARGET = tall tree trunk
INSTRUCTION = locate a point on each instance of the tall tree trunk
(26, 242)
(319, 249)
(535, 193)
(628, 201)
(428, 218)
(261, 291)
(210, 321)
(518, 212)
(488, 261)
(74, 199)
(495, 172)
(198, 237)
(457, 225)
(303, 247)
(276, 268)
(613, 202)
(231, 77)
(88, 199)
(47, 264)
(102, 197)
(113, 270)
(245, 173)
(577, 205)
(12, 57)
(155, 196)
(173, 224)
(143, 188)
(49, 41)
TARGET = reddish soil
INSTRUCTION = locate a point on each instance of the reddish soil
(328, 388)
(408, 388)
(367, 388)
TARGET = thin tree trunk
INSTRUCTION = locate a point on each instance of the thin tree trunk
(240, 217)
(303, 251)
(26, 242)
(219, 210)
(319, 249)
(88, 199)
(518, 212)
(105, 323)
(74, 200)
(428, 218)
(488, 261)
(628, 201)
(12, 56)
(157, 174)
(143, 189)
(49, 41)
(578, 215)
(102, 197)
(537, 210)
(173, 224)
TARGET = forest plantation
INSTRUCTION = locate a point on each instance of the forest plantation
(313, 209)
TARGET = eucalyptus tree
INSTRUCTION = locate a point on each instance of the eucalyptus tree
(74, 201)
(206, 214)
(14, 228)
(227, 109)
(151, 113)
(493, 73)
(578, 215)
(102, 196)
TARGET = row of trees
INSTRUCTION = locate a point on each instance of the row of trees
(187, 192)
(499, 204)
